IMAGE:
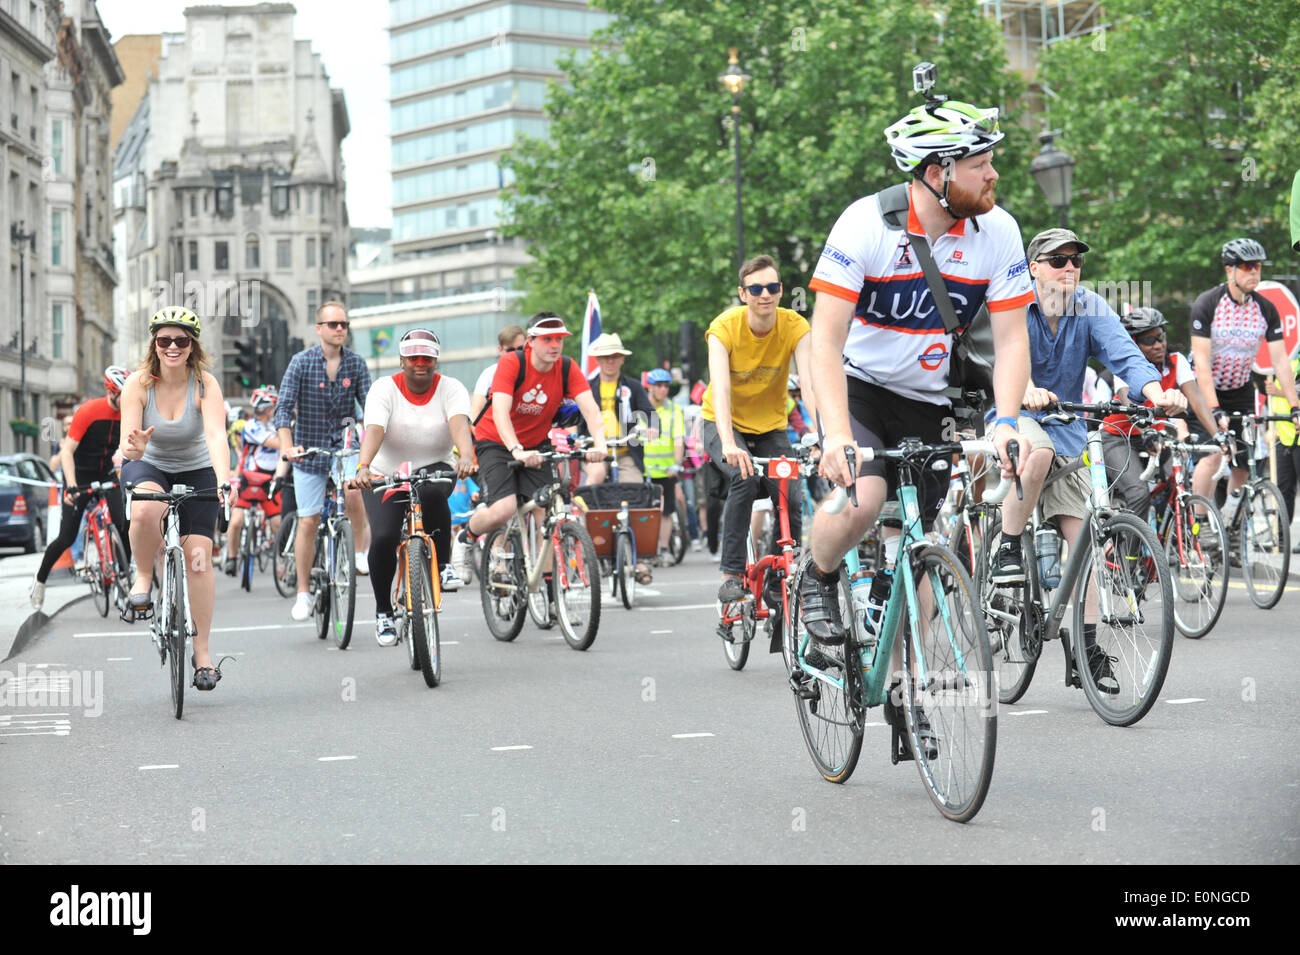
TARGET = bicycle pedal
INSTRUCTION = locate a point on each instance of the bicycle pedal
(900, 749)
(803, 685)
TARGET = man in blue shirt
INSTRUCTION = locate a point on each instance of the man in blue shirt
(1067, 326)
(322, 389)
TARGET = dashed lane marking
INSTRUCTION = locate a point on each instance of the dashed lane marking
(507, 749)
(119, 659)
(162, 766)
(332, 759)
(1190, 699)
(712, 606)
(691, 735)
(1025, 712)
(35, 724)
(660, 631)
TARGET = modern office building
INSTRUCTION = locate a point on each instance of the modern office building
(466, 80)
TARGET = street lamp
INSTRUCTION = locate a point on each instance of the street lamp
(1053, 169)
(16, 234)
(734, 80)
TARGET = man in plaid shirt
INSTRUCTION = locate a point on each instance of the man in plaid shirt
(325, 385)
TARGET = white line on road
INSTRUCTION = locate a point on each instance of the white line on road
(332, 759)
(45, 732)
(506, 749)
(690, 735)
(269, 626)
(648, 592)
(41, 715)
(1190, 699)
(712, 606)
(875, 724)
(119, 659)
(163, 766)
(1025, 712)
(33, 721)
(660, 631)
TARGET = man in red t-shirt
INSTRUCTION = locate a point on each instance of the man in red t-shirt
(517, 424)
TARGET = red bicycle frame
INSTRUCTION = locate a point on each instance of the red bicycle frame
(782, 470)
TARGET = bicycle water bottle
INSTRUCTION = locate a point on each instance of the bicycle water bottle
(876, 600)
(1230, 506)
(1047, 543)
(860, 591)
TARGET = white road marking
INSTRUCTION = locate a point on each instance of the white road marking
(119, 659)
(712, 606)
(51, 731)
(33, 720)
(648, 592)
(1025, 712)
(660, 631)
(690, 735)
(1190, 699)
(269, 626)
(506, 749)
(332, 759)
(875, 724)
(163, 766)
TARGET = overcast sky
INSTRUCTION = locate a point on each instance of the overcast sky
(353, 45)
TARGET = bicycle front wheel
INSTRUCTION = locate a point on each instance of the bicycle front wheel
(343, 583)
(421, 614)
(948, 684)
(677, 541)
(1196, 548)
(578, 601)
(1008, 622)
(246, 552)
(121, 585)
(283, 567)
(1265, 544)
(502, 587)
(735, 645)
(319, 587)
(1122, 659)
(95, 569)
(831, 715)
(627, 568)
(175, 632)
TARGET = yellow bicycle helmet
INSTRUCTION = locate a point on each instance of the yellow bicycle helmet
(175, 315)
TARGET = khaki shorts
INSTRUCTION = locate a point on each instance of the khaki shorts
(1066, 496)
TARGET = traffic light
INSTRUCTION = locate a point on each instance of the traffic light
(689, 341)
(246, 361)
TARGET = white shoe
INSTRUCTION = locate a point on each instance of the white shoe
(462, 552)
(716, 558)
(451, 581)
(363, 563)
(301, 607)
(385, 630)
(697, 545)
(38, 594)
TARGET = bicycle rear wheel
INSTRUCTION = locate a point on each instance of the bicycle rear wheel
(175, 633)
(319, 587)
(578, 601)
(1122, 668)
(1196, 548)
(343, 584)
(677, 541)
(422, 615)
(503, 589)
(831, 717)
(1265, 543)
(95, 574)
(1010, 627)
(283, 567)
(949, 698)
(627, 568)
(735, 646)
(246, 552)
(121, 584)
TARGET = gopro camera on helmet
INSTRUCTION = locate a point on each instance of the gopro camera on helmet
(924, 76)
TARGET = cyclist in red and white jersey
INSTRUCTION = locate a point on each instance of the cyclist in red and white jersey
(1228, 322)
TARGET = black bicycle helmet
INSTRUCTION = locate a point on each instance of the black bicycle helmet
(1143, 320)
(1243, 250)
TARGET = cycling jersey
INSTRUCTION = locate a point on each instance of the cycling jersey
(1176, 373)
(97, 427)
(1235, 331)
(897, 338)
(254, 434)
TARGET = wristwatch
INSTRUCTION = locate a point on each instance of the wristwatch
(516, 447)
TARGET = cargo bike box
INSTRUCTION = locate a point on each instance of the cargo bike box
(601, 503)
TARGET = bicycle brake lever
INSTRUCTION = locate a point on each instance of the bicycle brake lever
(1013, 455)
(851, 457)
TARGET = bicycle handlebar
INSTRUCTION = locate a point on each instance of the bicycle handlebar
(421, 476)
(840, 498)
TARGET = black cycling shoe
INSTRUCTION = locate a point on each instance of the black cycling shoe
(230, 567)
(1008, 564)
(732, 589)
(1103, 677)
(820, 608)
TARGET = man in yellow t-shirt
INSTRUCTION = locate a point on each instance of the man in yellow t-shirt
(744, 408)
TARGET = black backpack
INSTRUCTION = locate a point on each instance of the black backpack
(519, 380)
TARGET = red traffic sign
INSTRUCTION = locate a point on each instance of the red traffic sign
(1289, 310)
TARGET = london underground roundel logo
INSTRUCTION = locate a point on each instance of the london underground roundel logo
(783, 469)
(932, 358)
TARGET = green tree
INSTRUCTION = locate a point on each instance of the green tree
(1183, 124)
(632, 193)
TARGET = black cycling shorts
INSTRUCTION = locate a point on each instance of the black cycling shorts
(1240, 400)
(882, 419)
(197, 517)
(500, 480)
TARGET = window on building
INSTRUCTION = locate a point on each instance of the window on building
(56, 146)
(205, 201)
(194, 253)
(56, 329)
(56, 238)
(225, 201)
(297, 199)
(311, 253)
(311, 202)
(252, 252)
(221, 256)
(326, 252)
(283, 253)
(280, 200)
(194, 206)
(311, 304)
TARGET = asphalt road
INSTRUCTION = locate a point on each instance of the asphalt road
(646, 748)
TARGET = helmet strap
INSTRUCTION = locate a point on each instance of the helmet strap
(943, 199)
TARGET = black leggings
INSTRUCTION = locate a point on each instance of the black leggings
(386, 520)
(70, 523)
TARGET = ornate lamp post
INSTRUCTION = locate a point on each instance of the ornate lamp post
(1053, 169)
(734, 80)
(23, 239)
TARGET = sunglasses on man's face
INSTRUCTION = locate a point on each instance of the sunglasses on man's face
(419, 359)
(166, 343)
(1151, 338)
(1249, 266)
(334, 326)
(771, 288)
(1058, 261)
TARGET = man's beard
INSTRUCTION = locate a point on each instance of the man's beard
(964, 203)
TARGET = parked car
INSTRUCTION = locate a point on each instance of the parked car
(24, 508)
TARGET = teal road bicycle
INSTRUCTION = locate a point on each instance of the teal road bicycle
(939, 691)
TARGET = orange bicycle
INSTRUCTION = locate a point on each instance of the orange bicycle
(417, 585)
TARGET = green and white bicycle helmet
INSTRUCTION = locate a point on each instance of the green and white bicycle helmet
(175, 315)
(942, 130)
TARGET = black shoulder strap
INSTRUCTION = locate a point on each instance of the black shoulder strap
(893, 209)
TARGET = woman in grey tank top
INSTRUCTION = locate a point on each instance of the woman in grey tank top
(174, 432)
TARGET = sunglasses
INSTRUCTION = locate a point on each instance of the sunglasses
(1150, 338)
(1058, 261)
(549, 339)
(771, 288)
(182, 342)
(335, 326)
(419, 359)
(1249, 266)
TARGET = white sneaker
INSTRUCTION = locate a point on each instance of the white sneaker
(38, 594)
(451, 581)
(716, 558)
(462, 552)
(385, 630)
(301, 607)
(697, 545)
(363, 563)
